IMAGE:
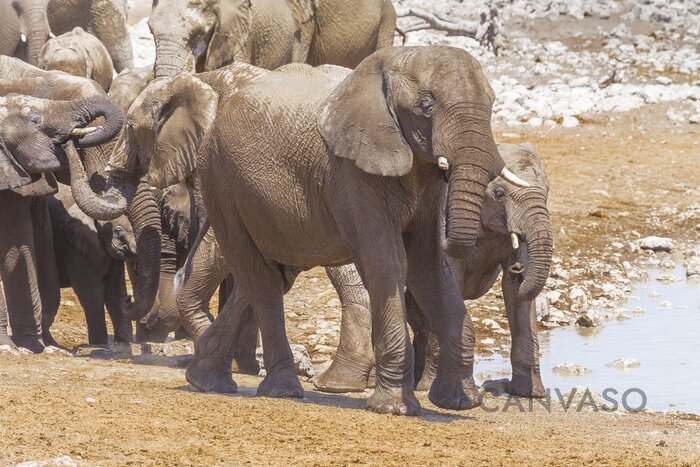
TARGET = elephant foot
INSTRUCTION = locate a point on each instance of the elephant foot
(32, 344)
(210, 376)
(283, 383)
(396, 401)
(49, 341)
(454, 394)
(247, 364)
(341, 377)
(425, 382)
(527, 385)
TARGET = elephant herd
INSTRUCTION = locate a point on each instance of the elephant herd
(269, 137)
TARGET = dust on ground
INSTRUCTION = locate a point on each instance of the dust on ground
(115, 412)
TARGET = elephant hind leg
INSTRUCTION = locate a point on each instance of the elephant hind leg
(115, 296)
(354, 358)
(4, 337)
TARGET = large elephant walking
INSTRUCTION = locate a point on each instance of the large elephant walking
(327, 173)
(515, 238)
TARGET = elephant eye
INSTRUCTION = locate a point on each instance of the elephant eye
(499, 193)
(426, 105)
(35, 119)
(119, 230)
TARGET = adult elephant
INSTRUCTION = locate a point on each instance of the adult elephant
(105, 19)
(362, 182)
(515, 238)
(32, 136)
(203, 35)
(87, 178)
(25, 28)
(80, 54)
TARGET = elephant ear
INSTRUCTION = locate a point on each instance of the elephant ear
(358, 123)
(12, 175)
(165, 128)
(231, 35)
(44, 184)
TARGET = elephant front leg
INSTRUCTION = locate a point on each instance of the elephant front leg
(354, 358)
(210, 368)
(18, 271)
(524, 353)
(383, 275)
(47, 270)
(437, 294)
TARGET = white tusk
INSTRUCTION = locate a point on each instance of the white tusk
(512, 178)
(514, 240)
(52, 35)
(443, 163)
(23, 37)
(84, 131)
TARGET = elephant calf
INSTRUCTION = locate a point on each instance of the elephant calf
(515, 237)
(78, 53)
(90, 258)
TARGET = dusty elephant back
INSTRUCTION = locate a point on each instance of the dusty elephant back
(276, 164)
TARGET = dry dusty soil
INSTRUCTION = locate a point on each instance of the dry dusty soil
(116, 412)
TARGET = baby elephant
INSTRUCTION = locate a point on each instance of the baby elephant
(80, 54)
(90, 258)
(515, 237)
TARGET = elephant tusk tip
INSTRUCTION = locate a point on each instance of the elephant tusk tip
(509, 176)
(514, 240)
(23, 37)
(443, 163)
(84, 131)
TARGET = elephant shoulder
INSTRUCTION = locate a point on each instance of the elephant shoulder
(230, 79)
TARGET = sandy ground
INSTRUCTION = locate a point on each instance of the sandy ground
(117, 412)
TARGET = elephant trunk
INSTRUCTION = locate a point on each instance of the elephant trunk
(172, 58)
(145, 219)
(38, 32)
(465, 193)
(118, 194)
(87, 110)
(539, 240)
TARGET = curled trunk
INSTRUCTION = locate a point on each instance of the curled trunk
(90, 108)
(538, 238)
(145, 219)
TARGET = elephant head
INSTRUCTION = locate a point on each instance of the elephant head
(430, 104)
(35, 131)
(522, 215)
(198, 35)
(34, 26)
(78, 53)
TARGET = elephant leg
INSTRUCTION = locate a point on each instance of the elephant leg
(47, 270)
(245, 344)
(354, 358)
(18, 271)
(383, 271)
(210, 368)
(525, 347)
(436, 293)
(387, 26)
(4, 337)
(115, 295)
(425, 345)
(207, 271)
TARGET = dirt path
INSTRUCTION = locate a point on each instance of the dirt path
(148, 414)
